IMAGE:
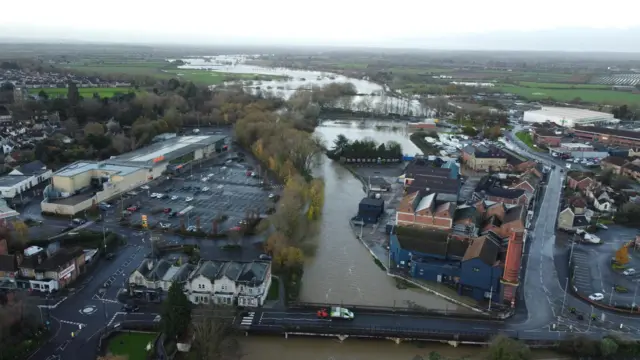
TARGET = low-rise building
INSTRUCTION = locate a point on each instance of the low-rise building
(604, 135)
(547, 137)
(491, 188)
(80, 185)
(574, 216)
(484, 158)
(422, 210)
(230, 283)
(50, 273)
(580, 180)
(24, 178)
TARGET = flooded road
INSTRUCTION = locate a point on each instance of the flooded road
(295, 348)
(343, 270)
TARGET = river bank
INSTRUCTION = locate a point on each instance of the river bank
(295, 348)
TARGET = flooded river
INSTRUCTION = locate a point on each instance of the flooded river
(295, 348)
(342, 270)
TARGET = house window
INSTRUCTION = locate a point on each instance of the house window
(476, 269)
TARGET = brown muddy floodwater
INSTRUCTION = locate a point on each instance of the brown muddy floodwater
(342, 270)
(296, 348)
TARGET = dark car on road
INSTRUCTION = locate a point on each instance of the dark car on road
(109, 256)
(130, 308)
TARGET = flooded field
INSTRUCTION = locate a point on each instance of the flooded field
(371, 94)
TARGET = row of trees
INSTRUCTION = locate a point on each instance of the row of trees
(366, 148)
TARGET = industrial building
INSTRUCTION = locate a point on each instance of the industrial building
(78, 186)
(603, 135)
(485, 268)
(568, 117)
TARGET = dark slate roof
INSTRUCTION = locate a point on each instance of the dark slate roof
(468, 212)
(8, 263)
(438, 184)
(615, 160)
(58, 259)
(484, 249)
(4, 111)
(254, 271)
(513, 213)
(209, 269)
(492, 187)
(32, 168)
(547, 133)
(426, 242)
(580, 220)
(232, 270)
(372, 202)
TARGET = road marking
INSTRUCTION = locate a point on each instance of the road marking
(52, 306)
(72, 323)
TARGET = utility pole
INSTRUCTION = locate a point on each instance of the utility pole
(564, 298)
(490, 297)
(633, 303)
(573, 243)
(590, 319)
(611, 296)
(104, 237)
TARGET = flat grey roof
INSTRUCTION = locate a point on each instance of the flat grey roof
(169, 149)
(83, 166)
(10, 180)
(72, 200)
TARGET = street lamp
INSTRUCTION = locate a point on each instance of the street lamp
(611, 296)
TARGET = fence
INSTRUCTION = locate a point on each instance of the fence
(408, 311)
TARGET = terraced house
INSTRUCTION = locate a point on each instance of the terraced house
(230, 283)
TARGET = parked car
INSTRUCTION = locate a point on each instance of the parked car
(109, 256)
(78, 221)
(188, 199)
(596, 297)
(133, 208)
(192, 228)
(264, 257)
(166, 210)
(206, 188)
(165, 225)
(174, 197)
(144, 187)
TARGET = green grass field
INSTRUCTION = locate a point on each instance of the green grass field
(84, 92)
(596, 96)
(132, 345)
(564, 86)
(526, 138)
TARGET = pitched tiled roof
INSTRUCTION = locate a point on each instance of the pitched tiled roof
(484, 249)
(607, 131)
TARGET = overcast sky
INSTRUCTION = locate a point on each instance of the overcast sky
(339, 22)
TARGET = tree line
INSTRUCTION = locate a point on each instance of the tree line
(343, 148)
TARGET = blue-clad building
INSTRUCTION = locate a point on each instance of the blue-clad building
(473, 267)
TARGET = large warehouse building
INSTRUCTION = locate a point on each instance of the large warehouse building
(80, 185)
(568, 117)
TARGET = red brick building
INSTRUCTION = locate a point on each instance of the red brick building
(421, 210)
(546, 137)
(580, 180)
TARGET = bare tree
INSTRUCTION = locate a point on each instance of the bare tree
(213, 334)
